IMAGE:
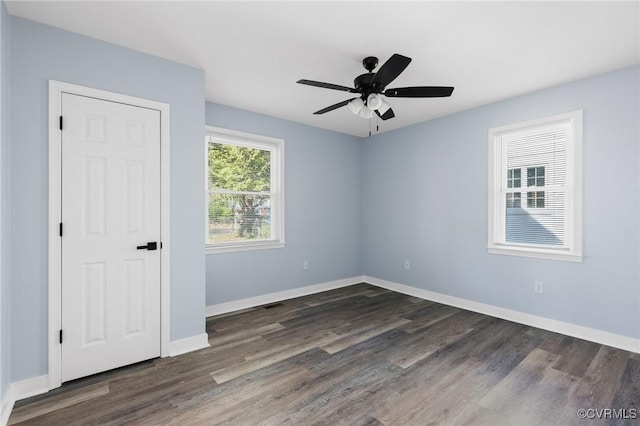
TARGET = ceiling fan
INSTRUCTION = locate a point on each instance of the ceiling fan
(372, 86)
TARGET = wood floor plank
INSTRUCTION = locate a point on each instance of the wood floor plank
(357, 357)
(409, 407)
(257, 379)
(601, 380)
(229, 408)
(475, 363)
(275, 355)
(439, 334)
(429, 315)
(329, 297)
(238, 335)
(346, 399)
(529, 372)
(44, 407)
(577, 356)
(362, 334)
(627, 396)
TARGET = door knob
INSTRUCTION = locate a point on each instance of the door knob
(150, 246)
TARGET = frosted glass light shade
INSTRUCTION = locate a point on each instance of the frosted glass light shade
(384, 107)
(356, 105)
(366, 112)
(374, 101)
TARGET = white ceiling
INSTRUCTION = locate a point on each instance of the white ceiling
(254, 52)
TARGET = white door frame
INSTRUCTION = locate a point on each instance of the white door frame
(56, 89)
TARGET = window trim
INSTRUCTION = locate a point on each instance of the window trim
(573, 252)
(249, 140)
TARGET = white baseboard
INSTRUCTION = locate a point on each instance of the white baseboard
(30, 387)
(6, 406)
(21, 390)
(598, 336)
(189, 344)
(251, 302)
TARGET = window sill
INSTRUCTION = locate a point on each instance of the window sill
(229, 248)
(535, 253)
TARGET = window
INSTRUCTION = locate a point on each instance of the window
(513, 181)
(513, 200)
(535, 200)
(245, 179)
(535, 188)
(513, 178)
(535, 178)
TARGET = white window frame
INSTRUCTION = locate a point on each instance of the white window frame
(572, 251)
(276, 146)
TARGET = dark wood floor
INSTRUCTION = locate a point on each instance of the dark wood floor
(357, 356)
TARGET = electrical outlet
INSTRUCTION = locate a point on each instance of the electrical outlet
(538, 287)
(407, 265)
(305, 265)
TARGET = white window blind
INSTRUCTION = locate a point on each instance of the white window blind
(534, 199)
(541, 158)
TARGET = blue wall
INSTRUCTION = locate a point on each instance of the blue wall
(425, 200)
(39, 53)
(323, 185)
(4, 202)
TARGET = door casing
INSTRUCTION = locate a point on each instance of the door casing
(56, 89)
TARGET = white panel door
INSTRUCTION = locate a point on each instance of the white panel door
(110, 207)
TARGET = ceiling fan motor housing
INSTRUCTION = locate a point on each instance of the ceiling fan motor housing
(363, 83)
(369, 63)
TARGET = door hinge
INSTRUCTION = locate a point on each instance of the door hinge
(60, 336)
(61, 229)
(60, 122)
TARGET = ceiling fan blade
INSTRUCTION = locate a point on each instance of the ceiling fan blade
(327, 85)
(387, 115)
(419, 92)
(391, 69)
(332, 107)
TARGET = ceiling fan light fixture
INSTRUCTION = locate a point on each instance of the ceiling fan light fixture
(366, 112)
(356, 105)
(384, 107)
(374, 101)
